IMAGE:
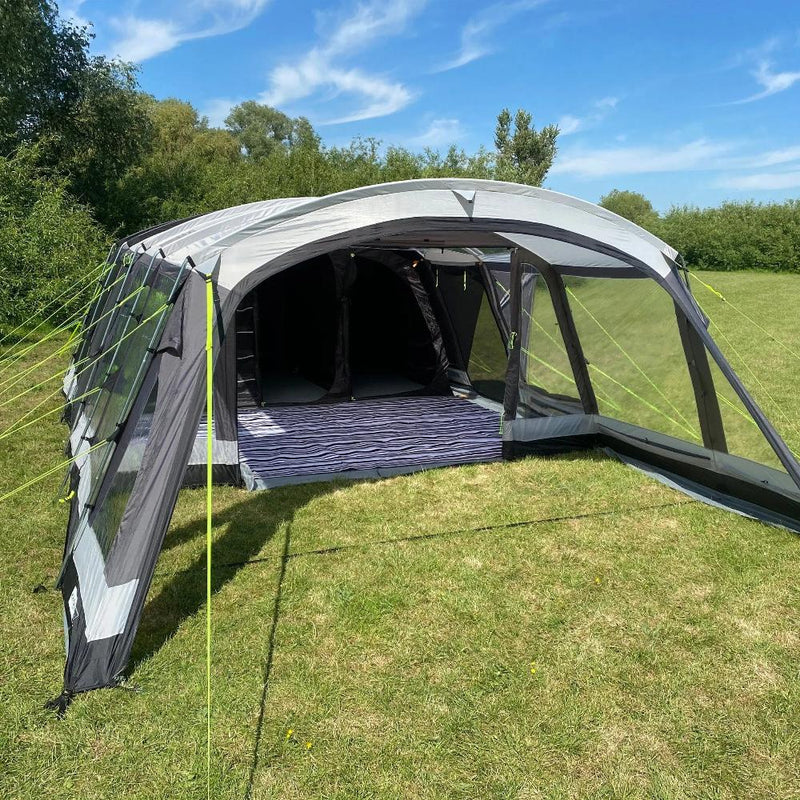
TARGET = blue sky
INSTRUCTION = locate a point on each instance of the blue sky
(687, 102)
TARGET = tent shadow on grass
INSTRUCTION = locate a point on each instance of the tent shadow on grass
(249, 525)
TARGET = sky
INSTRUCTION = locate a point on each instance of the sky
(686, 102)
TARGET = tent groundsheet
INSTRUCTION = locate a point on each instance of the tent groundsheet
(366, 438)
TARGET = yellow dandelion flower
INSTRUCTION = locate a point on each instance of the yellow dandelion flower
(309, 745)
(289, 734)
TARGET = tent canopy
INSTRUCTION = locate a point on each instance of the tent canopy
(521, 302)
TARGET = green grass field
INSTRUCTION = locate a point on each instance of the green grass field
(409, 638)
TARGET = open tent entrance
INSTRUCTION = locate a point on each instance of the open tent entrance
(343, 370)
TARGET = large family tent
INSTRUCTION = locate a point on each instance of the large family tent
(377, 331)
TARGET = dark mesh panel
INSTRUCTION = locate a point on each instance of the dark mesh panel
(631, 341)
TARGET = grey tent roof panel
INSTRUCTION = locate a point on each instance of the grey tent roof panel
(252, 235)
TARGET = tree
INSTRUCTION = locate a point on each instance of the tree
(631, 205)
(261, 129)
(524, 155)
(85, 113)
(48, 242)
(42, 61)
(176, 174)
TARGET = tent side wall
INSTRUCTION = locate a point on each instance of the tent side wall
(107, 573)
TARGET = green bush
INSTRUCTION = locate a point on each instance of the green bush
(736, 236)
(48, 242)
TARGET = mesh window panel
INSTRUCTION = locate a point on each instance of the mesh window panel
(105, 520)
(102, 332)
(544, 362)
(756, 326)
(630, 338)
(125, 369)
(488, 360)
(118, 374)
(742, 435)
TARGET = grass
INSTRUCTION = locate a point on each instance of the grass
(623, 642)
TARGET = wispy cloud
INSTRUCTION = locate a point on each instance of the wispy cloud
(322, 67)
(771, 82)
(600, 109)
(141, 38)
(762, 181)
(71, 12)
(476, 33)
(694, 156)
(217, 110)
(601, 162)
(441, 132)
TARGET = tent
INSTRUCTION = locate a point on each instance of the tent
(377, 331)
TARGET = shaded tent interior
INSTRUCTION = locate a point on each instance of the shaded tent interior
(351, 327)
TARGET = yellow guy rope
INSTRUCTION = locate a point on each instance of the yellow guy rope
(209, 475)
(86, 279)
(15, 427)
(85, 366)
(687, 424)
(742, 313)
(57, 468)
(13, 356)
(13, 380)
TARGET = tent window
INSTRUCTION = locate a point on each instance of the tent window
(488, 359)
(742, 435)
(630, 338)
(544, 363)
(107, 517)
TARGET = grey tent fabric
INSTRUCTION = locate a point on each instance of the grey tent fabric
(476, 255)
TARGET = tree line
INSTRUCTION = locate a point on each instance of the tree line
(732, 236)
(86, 156)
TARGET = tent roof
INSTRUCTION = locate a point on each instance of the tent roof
(250, 236)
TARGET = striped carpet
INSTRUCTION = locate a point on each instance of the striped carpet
(291, 444)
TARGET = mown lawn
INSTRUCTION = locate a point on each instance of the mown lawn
(547, 628)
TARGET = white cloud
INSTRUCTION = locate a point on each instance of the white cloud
(141, 38)
(601, 162)
(770, 158)
(72, 13)
(320, 68)
(569, 123)
(440, 132)
(771, 82)
(217, 110)
(476, 33)
(763, 181)
(697, 155)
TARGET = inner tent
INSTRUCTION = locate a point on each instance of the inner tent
(351, 364)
